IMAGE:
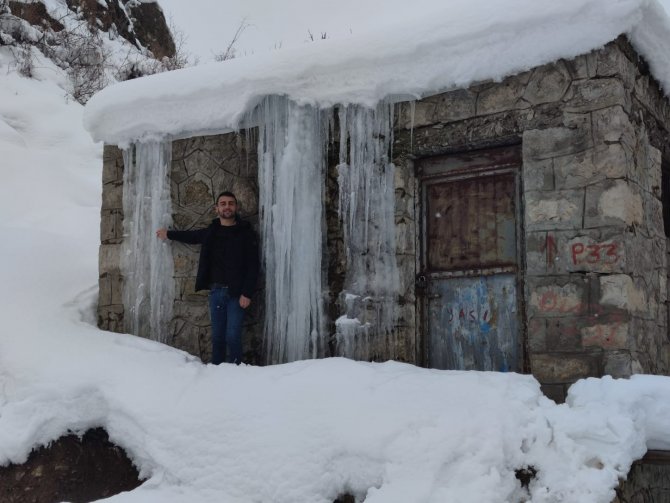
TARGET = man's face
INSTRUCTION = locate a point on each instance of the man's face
(226, 207)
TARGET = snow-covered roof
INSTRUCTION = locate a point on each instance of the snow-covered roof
(451, 46)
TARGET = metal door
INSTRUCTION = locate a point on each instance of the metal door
(470, 272)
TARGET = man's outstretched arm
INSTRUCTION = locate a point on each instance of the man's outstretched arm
(189, 237)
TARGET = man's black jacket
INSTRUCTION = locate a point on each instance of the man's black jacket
(241, 264)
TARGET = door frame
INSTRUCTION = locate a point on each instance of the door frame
(459, 166)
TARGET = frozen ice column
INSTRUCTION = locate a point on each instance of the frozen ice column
(146, 262)
(367, 213)
(292, 166)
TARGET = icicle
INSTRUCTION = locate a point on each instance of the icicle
(292, 165)
(146, 262)
(367, 209)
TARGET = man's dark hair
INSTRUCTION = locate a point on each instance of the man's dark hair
(227, 194)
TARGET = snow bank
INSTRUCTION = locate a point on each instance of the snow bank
(449, 46)
(310, 430)
(644, 398)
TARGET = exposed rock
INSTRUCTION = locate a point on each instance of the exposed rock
(141, 24)
(35, 13)
(75, 469)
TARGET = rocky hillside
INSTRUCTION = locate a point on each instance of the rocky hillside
(96, 42)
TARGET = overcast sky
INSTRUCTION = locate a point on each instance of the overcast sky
(209, 25)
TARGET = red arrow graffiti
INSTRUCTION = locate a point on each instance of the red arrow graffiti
(550, 248)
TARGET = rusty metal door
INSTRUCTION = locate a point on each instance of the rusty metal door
(470, 272)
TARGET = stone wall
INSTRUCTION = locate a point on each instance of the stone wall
(203, 167)
(648, 480)
(595, 286)
(110, 282)
(594, 131)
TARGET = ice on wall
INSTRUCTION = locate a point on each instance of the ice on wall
(292, 150)
(366, 209)
(146, 262)
(292, 165)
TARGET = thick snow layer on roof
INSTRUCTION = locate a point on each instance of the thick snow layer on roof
(450, 46)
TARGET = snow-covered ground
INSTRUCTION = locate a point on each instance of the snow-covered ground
(301, 432)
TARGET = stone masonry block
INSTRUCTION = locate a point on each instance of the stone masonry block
(547, 83)
(602, 250)
(104, 291)
(415, 114)
(197, 313)
(404, 237)
(190, 338)
(620, 291)
(561, 367)
(555, 210)
(407, 275)
(107, 226)
(612, 124)
(455, 106)
(582, 67)
(613, 203)
(606, 336)
(506, 95)
(538, 174)
(116, 283)
(613, 160)
(109, 259)
(246, 191)
(197, 191)
(558, 296)
(653, 216)
(654, 161)
(663, 288)
(185, 289)
(111, 318)
(111, 226)
(112, 196)
(618, 364)
(556, 141)
(189, 218)
(590, 166)
(202, 162)
(178, 171)
(563, 334)
(184, 147)
(537, 334)
(575, 170)
(112, 164)
(595, 94)
(593, 252)
(540, 253)
(404, 205)
(612, 62)
(185, 262)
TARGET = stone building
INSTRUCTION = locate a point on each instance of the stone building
(530, 219)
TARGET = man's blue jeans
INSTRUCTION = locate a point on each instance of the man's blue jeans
(226, 315)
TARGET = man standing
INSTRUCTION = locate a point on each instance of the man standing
(228, 267)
